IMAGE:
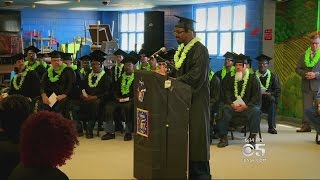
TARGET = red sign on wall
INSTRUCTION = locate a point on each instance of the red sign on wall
(268, 34)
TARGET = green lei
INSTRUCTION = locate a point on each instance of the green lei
(258, 74)
(97, 80)
(56, 77)
(82, 71)
(224, 71)
(310, 63)
(44, 64)
(33, 66)
(116, 73)
(211, 75)
(148, 67)
(244, 85)
(179, 61)
(125, 85)
(74, 67)
(14, 82)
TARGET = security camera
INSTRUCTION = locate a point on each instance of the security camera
(106, 2)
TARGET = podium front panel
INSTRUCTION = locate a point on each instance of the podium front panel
(161, 141)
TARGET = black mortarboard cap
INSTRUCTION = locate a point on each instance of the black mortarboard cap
(249, 59)
(55, 54)
(17, 57)
(135, 55)
(263, 57)
(98, 55)
(129, 59)
(145, 52)
(85, 58)
(185, 23)
(40, 55)
(120, 52)
(240, 59)
(67, 56)
(31, 48)
(229, 55)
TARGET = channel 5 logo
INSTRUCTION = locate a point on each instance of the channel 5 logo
(257, 149)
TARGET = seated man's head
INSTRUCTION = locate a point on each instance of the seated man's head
(228, 59)
(56, 61)
(47, 140)
(19, 64)
(15, 110)
(119, 55)
(86, 62)
(240, 63)
(129, 62)
(31, 52)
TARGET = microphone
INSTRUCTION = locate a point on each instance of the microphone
(163, 49)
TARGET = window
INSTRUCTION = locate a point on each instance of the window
(131, 31)
(221, 28)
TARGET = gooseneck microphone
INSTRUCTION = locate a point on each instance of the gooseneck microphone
(163, 49)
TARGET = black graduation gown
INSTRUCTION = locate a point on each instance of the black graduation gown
(252, 96)
(9, 158)
(112, 73)
(102, 91)
(214, 93)
(62, 86)
(274, 88)
(40, 69)
(195, 72)
(30, 87)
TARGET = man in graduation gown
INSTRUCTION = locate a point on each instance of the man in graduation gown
(95, 91)
(214, 103)
(31, 61)
(309, 69)
(122, 98)
(57, 82)
(270, 90)
(144, 58)
(241, 96)
(25, 81)
(117, 70)
(75, 91)
(228, 66)
(85, 65)
(192, 64)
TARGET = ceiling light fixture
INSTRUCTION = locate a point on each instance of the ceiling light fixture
(83, 8)
(52, 2)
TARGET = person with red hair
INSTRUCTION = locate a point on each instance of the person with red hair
(47, 140)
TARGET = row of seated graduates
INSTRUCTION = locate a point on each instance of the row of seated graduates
(267, 104)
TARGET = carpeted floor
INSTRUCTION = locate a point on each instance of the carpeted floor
(288, 155)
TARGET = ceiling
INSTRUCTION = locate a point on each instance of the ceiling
(102, 5)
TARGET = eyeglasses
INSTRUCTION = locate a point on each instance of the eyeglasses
(162, 64)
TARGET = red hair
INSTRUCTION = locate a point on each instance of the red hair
(47, 139)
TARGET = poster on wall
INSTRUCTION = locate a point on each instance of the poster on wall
(142, 122)
(268, 34)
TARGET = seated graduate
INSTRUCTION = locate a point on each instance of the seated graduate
(95, 89)
(25, 81)
(144, 57)
(15, 110)
(270, 90)
(214, 103)
(31, 61)
(47, 140)
(57, 83)
(228, 66)
(122, 98)
(153, 64)
(241, 95)
(313, 114)
(85, 65)
(117, 70)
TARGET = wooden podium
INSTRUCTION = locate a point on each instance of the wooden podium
(161, 127)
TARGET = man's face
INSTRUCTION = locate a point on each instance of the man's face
(119, 58)
(315, 44)
(20, 64)
(86, 64)
(68, 62)
(32, 55)
(56, 63)
(263, 66)
(96, 66)
(180, 34)
(228, 62)
(143, 58)
(240, 67)
(152, 61)
(128, 67)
